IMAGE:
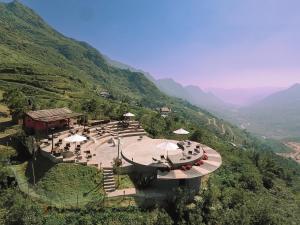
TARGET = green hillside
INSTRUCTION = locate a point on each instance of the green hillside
(43, 62)
(253, 186)
(54, 70)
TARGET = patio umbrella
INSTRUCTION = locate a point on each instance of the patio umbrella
(181, 131)
(128, 114)
(75, 138)
(169, 147)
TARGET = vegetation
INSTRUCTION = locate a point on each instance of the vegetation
(123, 181)
(253, 186)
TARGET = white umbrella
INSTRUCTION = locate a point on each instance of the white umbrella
(128, 114)
(169, 147)
(75, 138)
(181, 131)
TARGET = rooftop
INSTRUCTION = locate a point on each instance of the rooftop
(48, 115)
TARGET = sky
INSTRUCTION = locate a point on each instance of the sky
(209, 43)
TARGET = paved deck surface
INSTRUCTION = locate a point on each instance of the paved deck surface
(214, 162)
(145, 152)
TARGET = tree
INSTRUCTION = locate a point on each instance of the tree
(89, 106)
(17, 103)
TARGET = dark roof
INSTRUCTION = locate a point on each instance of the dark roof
(47, 115)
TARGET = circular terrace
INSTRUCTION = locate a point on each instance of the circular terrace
(191, 159)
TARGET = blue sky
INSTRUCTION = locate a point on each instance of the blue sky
(210, 43)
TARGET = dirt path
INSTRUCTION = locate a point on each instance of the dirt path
(295, 153)
(209, 121)
(223, 129)
(230, 130)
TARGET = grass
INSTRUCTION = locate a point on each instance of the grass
(124, 182)
(7, 130)
(120, 202)
(60, 185)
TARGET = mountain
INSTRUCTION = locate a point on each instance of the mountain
(244, 96)
(191, 93)
(55, 70)
(172, 88)
(42, 61)
(194, 95)
(124, 66)
(277, 115)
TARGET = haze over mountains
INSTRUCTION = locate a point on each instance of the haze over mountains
(277, 115)
(267, 111)
(77, 68)
(244, 96)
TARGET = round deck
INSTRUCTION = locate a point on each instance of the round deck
(147, 153)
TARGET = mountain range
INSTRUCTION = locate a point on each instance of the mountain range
(55, 70)
(194, 94)
(269, 112)
(277, 115)
(244, 96)
(45, 64)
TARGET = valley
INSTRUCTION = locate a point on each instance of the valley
(294, 154)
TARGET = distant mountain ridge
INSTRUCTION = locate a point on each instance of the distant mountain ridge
(191, 93)
(278, 115)
(244, 96)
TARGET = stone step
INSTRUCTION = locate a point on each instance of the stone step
(131, 131)
(109, 182)
(109, 186)
(133, 134)
(110, 190)
(108, 174)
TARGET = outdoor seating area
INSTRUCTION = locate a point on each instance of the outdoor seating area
(100, 144)
(83, 144)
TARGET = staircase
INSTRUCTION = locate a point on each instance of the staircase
(109, 180)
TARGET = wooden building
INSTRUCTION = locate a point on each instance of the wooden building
(165, 110)
(41, 121)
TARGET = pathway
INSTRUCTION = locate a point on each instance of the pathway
(137, 193)
(122, 192)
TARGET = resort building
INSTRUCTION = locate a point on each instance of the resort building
(165, 110)
(159, 163)
(105, 94)
(42, 121)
